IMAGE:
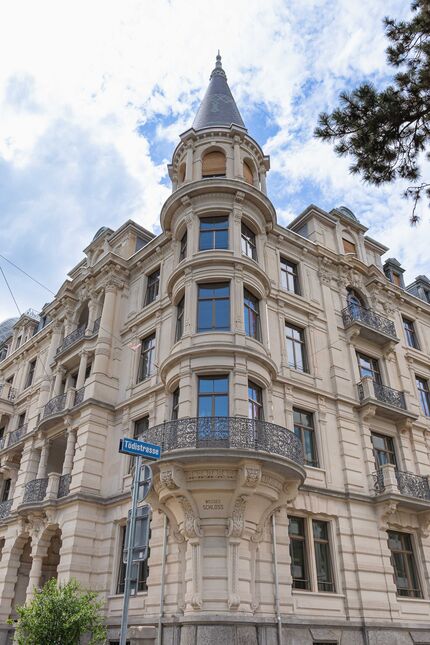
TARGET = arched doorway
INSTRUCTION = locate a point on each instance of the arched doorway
(23, 576)
(52, 558)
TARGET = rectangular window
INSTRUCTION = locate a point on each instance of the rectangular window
(139, 573)
(147, 355)
(249, 247)
(255, 401)
(369, 367)
(403, 561)
(213, 307)
(6, 490)
(21, 420)
(183, 247)
(383, 450)
(296, 350)
(252, 315)
(213, 233)
(289, 276)
(141, 426)
(423, 394)
(397, 280)
(140, 243)
(322, 556)
(213, 396)
(180, 308)
(30, 375)
(299, 553)
(304, 430)
(175, 404)
(152, 287)
(349, 247)
(411, 337)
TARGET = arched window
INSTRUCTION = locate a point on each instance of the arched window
(247, 173)
(83, 316)
(354, 300)
(181, 174)
(213, 164)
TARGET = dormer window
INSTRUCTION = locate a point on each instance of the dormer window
(348, 246)
(397, 279)
(213, 165)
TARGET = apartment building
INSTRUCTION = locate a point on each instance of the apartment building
(284, 372)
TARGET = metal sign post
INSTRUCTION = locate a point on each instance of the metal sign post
(142, 480)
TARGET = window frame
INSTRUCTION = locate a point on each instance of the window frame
(248, 242)
(255, 403)
(310, 553)
(142, 568)
(411, 567)
(301, 342)
(410, 333)
(175, 403)
(183, 246)
(304, 430)
(213, 231)
(213, 299)
(347, 244)
(214, 394)
(150, 340)
(375, 368)
(288, 276)
(180, 313)
(423, 394)
(152, 287)
(251, 315)
(31, 372)
(389, 450)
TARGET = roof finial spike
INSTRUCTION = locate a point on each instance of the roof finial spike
(218, 60)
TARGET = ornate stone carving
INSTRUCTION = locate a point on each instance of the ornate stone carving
(385, 514)
(236, 522)
(191, 523)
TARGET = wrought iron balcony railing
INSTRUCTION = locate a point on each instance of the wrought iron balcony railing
(354, 313)
(18, 434)
(79, 396)
(226, 432)
(408, 484)
(35, 490)
(71, 338)
(64, 485)
(55, 405)
(384, 394)
(5, 509)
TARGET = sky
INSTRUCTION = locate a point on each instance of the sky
(94, 94)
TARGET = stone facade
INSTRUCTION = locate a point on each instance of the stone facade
(121, 351)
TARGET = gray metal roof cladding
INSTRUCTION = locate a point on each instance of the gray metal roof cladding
(218, 106)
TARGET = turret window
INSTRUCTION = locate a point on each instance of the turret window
(251, 315)
(183, 247)
(213, 165)
(213, 307)
(213, 396)
(247, 173)
(180, 319)
(213, 233)
(175, 404)
(255, 402)
(249, 247)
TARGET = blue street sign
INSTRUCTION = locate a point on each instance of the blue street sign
(139, 448)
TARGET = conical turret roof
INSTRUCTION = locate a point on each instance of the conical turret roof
(218, 106)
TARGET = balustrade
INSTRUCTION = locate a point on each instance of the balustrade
(354, 313)
(35, 490)
(5, 508)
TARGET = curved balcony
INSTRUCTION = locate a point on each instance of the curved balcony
(369, 324)
(57, 404)
(16, 435)
(76, 336)
(257, 439)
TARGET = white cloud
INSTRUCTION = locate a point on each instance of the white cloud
(78, 78)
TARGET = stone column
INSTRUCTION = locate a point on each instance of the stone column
(58, 381)
(92, 307)
(43, 462)
(82, 369)
(34, 578)
(104, 342)
(47, 376)
(237, 165)
(263, 187)
(189, 163)
(70, 451)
